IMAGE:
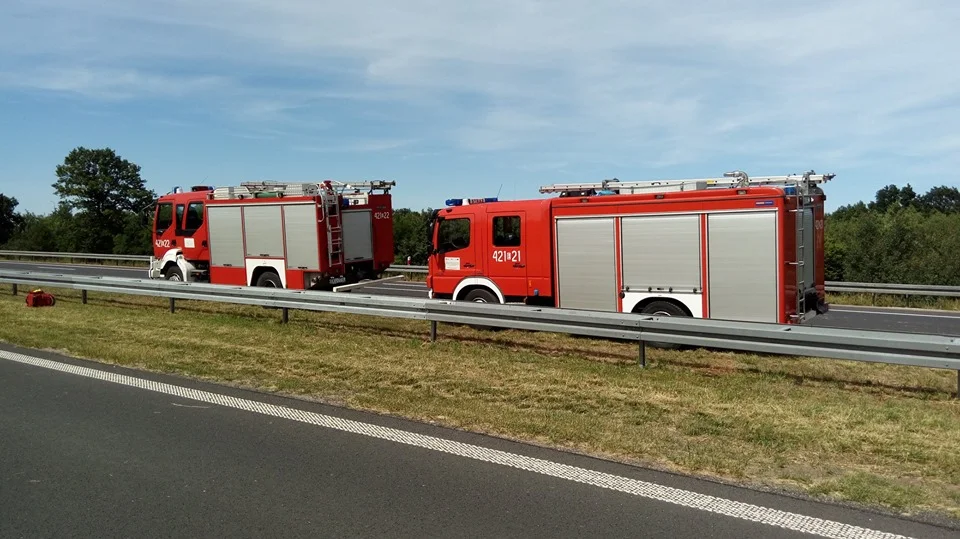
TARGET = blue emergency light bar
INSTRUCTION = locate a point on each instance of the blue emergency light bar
(468, 201)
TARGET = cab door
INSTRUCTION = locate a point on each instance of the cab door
(164, 229)
(506, 252)
(457, 242)
(191, 229)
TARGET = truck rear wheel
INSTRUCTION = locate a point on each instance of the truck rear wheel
(269, 279)
(663, 308)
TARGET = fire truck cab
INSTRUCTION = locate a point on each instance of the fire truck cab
(734, 248)
(282, 235)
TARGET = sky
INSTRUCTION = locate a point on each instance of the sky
(475, 99)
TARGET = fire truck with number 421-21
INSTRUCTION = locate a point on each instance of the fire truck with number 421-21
(275, 234)
(733, 248)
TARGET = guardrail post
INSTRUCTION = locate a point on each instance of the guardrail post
(14, 289)
(83, 297)
(958, 384)
(643, 355)
(433, 331)
(286, 316)
(173, 305)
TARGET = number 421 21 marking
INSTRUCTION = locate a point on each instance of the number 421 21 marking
(506, 256)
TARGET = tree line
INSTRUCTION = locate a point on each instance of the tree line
(104, 207)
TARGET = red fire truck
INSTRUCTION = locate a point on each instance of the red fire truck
(274, 234)
(734, 248)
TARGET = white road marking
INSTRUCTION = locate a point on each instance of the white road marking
(47, 266)
(895, 313)
(694, 500)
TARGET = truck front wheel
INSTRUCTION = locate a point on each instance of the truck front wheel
(481, 295)
(173, 273)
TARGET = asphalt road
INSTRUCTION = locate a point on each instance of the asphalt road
(93, 450)
(77, 269)
(863, 318)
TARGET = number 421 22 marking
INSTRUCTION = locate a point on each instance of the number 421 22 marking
(506, 256)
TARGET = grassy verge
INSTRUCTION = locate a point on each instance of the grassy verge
(881, 435)
(891, 300)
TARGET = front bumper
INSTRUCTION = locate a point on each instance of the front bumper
(155, 271)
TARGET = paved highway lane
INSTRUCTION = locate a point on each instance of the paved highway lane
(865, 318)
(76, 269)
(905, 320)
(93, 450)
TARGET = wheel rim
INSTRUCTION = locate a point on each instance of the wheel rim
(174, 277)
(661, 313)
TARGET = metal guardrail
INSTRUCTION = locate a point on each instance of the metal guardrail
(403, 268)
(918, 350)
(84, 256)
(831, 286)
(894, 288)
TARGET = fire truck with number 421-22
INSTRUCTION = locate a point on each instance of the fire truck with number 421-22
(734, 248)
(274, 234)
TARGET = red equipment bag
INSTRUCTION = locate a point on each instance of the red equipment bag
(39, 298)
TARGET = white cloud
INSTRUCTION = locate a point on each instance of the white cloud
(108, 83)
(828, 84)
(366, 145)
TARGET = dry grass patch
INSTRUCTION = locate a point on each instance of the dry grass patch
(877, 434)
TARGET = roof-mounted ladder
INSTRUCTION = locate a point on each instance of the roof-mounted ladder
(730, 179)
(298, 189)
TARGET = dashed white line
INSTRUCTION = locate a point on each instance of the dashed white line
(694, 500)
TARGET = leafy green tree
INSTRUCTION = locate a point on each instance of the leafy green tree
(10, 220)
(942, 199)
(410, 236)
(35, 234)
(102, 190)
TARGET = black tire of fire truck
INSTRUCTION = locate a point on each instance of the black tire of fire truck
(173, 273)
(481, 295)
(269, 279)
(664, 308)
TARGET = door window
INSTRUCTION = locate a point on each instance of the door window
(453, 235)
(179, 218)
(194, 217)
(506, 231)
(164, 218)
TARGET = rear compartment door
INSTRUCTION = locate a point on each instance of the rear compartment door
(506, 252)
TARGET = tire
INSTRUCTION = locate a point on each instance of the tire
(482, 295)
(269, 279)
(664, 308)
(173, 273)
